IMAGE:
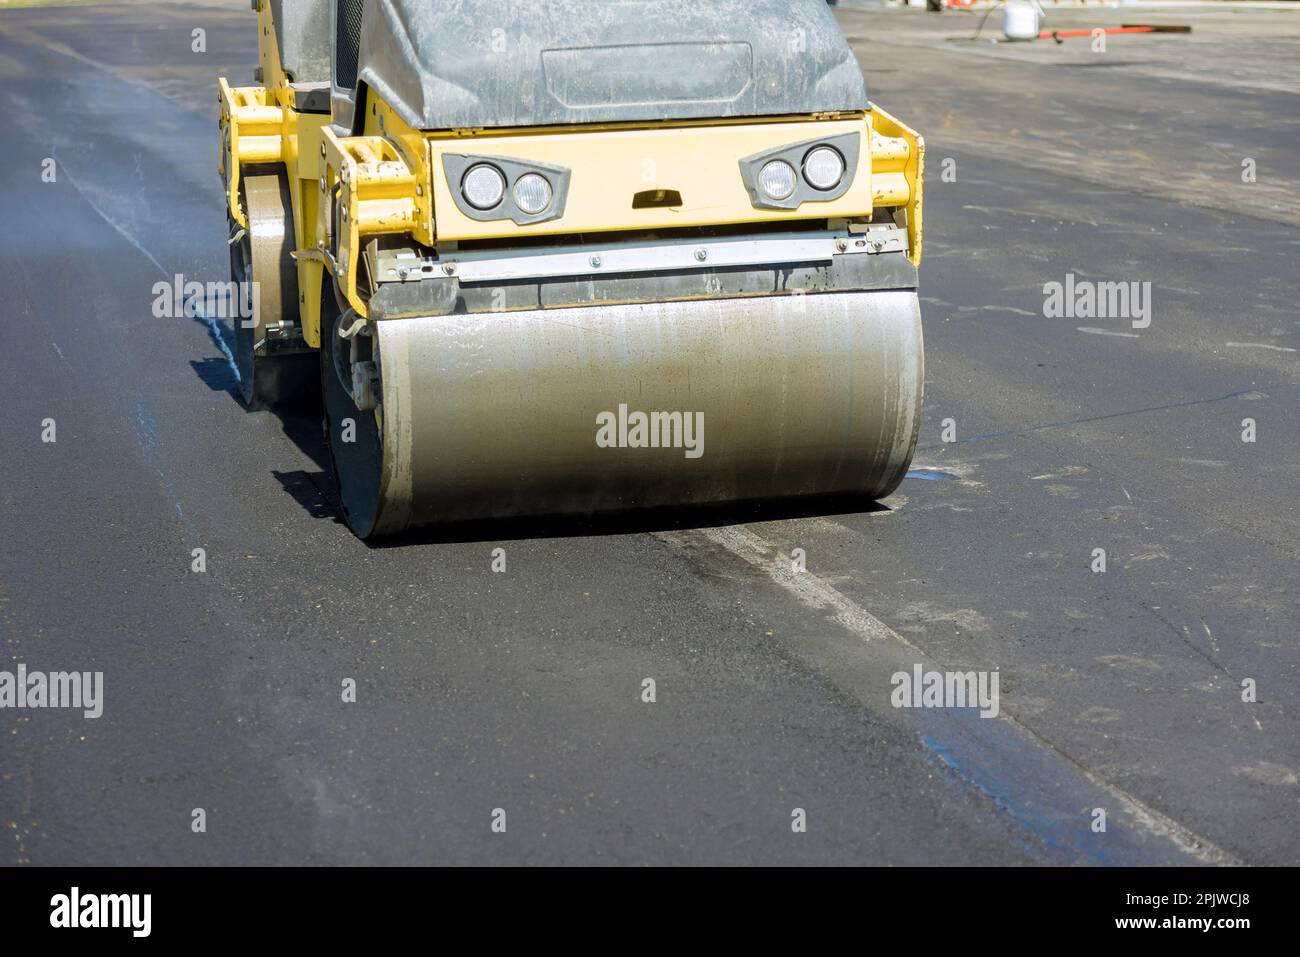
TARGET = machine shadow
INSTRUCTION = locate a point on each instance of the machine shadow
(216, 374)
(300, 422)
(314, 491)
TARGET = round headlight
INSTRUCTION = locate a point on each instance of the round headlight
(823, 168)
(483, 186)
(532, 193)
(776, 179)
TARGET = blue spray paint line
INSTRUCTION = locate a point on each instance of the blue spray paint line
(1043, 793)
(146, 433)
(146, 426)
(217, 332)
(930, 475)
(1004, 799)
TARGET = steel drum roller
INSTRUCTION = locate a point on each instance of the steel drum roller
(493, 415)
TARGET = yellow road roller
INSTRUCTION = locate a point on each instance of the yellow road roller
(575, 256)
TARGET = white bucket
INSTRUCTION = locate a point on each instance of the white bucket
(1020, 21)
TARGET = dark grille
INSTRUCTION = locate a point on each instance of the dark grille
(348, 13)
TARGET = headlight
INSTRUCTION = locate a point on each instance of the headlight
(823, 168)
(532, 193)
(483, 186)
(776, 179)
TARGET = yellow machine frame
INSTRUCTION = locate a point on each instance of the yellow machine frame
(389, 180)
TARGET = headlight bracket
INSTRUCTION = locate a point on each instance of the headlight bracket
(846, 144)
(454, 166)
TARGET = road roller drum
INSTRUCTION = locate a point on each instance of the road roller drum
(591, 409)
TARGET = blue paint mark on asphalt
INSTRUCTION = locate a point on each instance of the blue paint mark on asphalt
(146, 426)
(1003, 797)
(1045, 800)
(930, 475)
(146, 433)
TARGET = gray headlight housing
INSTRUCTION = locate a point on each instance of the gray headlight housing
(846, 144)
(454, 166)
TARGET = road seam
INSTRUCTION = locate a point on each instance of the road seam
(816, 593)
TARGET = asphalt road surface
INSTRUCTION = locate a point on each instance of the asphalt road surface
(521, 691)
